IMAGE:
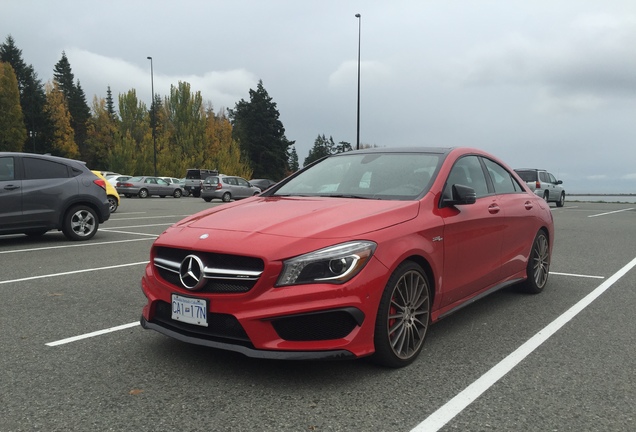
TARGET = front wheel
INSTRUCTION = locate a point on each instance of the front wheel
(403, 316)
(80, 223)
(561, 201)
(538, 266)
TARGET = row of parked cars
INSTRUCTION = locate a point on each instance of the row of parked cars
(39, 193)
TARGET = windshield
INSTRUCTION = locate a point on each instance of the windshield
(399, 176)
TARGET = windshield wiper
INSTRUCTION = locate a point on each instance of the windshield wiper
(346, 196)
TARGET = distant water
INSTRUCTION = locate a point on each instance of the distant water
(602, 198)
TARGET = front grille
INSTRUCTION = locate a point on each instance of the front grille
(318, 326)
(221, 327)
(223, 273)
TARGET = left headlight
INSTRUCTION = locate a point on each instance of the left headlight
(334, 264)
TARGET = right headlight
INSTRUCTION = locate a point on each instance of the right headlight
(334, 264)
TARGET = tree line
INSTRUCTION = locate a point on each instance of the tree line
(178, 131)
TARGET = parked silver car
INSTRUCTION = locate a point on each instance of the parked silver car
(145, 186)
(227, 188)
(544, 184)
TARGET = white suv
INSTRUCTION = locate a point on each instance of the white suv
(544, 184)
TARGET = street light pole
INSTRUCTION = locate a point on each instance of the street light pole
(153, 117)
(358, 117)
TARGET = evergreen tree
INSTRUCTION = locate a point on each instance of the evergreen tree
(76, 100)
(12, 130)
(322, 147)
(261, 135)
(32, 99)
(102, 134)
(110, 105)
(293, 161)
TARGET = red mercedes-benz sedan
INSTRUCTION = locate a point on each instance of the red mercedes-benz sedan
(355, 255)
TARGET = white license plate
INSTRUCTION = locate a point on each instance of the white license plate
(190, 310)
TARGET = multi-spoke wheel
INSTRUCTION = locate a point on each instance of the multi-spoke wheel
(538, 266)
(403, 316)
(80, 223)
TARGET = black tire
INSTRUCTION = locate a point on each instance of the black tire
(546, 196)
(207, 199)
(196, 194)
(227, 197)
(80, 223)
(538, 267)
(177, 193)
(403, 317)
(112, 204)
(143, 193)
(561, 201)
(186, 193)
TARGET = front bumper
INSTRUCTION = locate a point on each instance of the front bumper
(245, 350)
(302, 322)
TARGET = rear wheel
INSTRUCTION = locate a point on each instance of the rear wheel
(538, 266)
(226, 197)
(143, 193)
(546, 196)
(177, 193)
(112, 204)
(80, 223)
(403, 316)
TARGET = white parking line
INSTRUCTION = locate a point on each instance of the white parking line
(72, 272)
(93, 334)
(577, 275)
(72, 245)
(138, 226)
(456, 405)
(133, 233)
(150, 217)
(612, 212)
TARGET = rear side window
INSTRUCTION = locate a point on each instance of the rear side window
(43, 169)
(501, 178)
(7, 169)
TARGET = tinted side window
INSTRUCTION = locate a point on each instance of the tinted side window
(553, 180)
(544, 177)
(467, 171)
(43, 169)
(7, 171)
(501, 178)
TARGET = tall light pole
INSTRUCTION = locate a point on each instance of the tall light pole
(358, 117)
(153, 117)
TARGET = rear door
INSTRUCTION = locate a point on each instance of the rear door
(243, 189)
(10, 192)
(46, 186)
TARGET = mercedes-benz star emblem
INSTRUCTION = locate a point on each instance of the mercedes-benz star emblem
(191, 273)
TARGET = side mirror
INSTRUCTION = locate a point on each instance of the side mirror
(559, 181)
(462, 195)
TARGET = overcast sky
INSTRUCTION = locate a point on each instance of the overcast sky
(540, 83)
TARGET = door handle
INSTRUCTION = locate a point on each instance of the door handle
(493, 209)
(528, 205)
(11, 187)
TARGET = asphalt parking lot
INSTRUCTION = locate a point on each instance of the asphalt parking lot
(75, 359)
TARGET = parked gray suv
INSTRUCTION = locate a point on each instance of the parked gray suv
(39, 193)
(227, 188)
(543, 184)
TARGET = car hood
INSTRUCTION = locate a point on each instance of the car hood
(302, 217)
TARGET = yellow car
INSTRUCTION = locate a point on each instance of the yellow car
(111, 192)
